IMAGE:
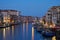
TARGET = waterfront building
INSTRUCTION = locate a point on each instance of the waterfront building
(30, 18)
(49, 17)
(23, 18)
(33, 18)
(53, 15)
(9, 15)
(1, 19)
(26, 18)
(44, 19)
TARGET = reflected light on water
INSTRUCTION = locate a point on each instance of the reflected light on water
(23, 26)
(8, 28)
(4, 34)
(54, 38)
(23, 30)
(32, 33)
(26, 27)
(12, 30)
(27, 30)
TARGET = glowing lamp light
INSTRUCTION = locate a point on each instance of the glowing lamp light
(51, 26)
(46, 24)
(12, 21)
(41, 21)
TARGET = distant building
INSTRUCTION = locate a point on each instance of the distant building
(26, 18)
(30, 18)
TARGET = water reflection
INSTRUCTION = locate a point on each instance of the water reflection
(32, 33)
(12, 32)
(27, 31)
(54, 38)
(8, 28)
(26, 27)
(24, 31)
(4, 34)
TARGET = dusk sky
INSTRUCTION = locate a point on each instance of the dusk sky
(29, 7)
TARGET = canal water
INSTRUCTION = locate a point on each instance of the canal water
(24, 31)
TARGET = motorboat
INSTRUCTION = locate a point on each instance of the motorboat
(48, 33)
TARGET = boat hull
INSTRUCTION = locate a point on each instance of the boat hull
(48, 34)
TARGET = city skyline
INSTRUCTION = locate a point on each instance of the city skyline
(29, 7)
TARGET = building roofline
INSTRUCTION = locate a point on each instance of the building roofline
(8, 10)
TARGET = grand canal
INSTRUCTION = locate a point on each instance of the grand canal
(24, 31)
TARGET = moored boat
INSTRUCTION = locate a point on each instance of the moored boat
(48, 33)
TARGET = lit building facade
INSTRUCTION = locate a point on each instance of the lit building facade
(53, 15)
(9, 15)
(49, 17)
